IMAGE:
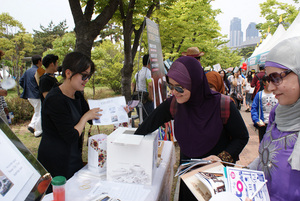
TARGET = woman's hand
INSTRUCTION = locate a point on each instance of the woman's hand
(92, 114)
(212, 158)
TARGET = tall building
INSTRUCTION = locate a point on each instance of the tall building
(236, 34)
(251, 31)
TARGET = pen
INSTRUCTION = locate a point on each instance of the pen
(258, 189)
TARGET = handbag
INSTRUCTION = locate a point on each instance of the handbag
(141, 96)
(239, 96)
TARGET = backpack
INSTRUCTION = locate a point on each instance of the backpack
(258, 87)
(224, 104)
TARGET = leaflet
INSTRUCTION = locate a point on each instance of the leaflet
(113, 110)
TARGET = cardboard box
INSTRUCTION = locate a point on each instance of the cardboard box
(131, 158)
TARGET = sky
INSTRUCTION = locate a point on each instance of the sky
(33, 13)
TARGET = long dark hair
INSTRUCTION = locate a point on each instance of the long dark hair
(249, 76)
(225, 79)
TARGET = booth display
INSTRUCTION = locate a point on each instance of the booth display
(131, 158)
(87, 185)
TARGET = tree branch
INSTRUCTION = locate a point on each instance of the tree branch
(76, 10)
(89, 10)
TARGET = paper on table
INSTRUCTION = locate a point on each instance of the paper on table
(113, 110)
(124, 192)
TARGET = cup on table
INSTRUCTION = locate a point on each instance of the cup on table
(58, 186)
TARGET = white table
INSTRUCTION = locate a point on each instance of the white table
(80, 186)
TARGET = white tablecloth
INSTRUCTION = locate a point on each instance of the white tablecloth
(83, 183)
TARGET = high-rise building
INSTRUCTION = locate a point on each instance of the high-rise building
(251, 31)
(236, 34)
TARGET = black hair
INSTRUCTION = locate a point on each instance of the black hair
(77, 62)
(48, 59)
(249, 76)
(261, 66)
(225, 79)
(35, 59)
(145, 59)
(264, 78)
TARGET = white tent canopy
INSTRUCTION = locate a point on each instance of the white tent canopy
(280, 34)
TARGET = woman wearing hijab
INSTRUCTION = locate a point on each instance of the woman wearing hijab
(198, 125)
(279, 151)
(215, 82)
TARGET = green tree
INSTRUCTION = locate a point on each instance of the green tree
(43, 39)
(15, 43)
(86, 28)
(62, 46)
(108, 58)
(246, 52)
(271, 10)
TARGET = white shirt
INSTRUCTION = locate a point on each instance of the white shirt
(268, 102)
(144, 75)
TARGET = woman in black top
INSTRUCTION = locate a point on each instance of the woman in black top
(64, 115)
(206, 123)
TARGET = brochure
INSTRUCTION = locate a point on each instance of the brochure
(205, 181)
(113, 111)
(246, 183)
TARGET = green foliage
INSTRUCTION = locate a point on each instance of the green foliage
(8, 25)
(271, 10)
(43, 39)
(246, 52)
(21, 109)
(108, 58)
(62, 46)
(188, 23)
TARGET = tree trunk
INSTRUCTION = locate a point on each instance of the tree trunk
(87, 29)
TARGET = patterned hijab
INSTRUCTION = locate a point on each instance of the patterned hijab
(215, 80)
(197, 122)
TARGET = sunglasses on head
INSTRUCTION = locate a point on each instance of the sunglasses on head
(85, 76)
(276, 78)
(179, 89)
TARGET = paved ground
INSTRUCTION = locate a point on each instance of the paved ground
(250, 152)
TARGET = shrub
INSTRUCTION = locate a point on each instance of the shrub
(21, 109)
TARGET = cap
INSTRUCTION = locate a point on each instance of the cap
(58, 181)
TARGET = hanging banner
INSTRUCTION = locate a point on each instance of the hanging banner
(156, 61)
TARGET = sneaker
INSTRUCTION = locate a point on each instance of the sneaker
(30, 129)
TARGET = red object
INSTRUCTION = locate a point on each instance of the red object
(59, 194)
(244, 66)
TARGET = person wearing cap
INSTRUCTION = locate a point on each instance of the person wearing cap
(279, 150)
(199, 126)
(31, 92)
(193, 52)
(48, 80)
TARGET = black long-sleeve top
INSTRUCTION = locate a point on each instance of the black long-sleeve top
(233, 139)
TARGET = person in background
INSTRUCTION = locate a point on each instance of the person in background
(193, 52)
(236, 92)
(262, 105)
(249, 91)
(199, 126)
(257, 77)
(65, 113)
(215, 82)
(279, 150)
(48, 80)
(142, 83)
(3, 106)
(32, 93)
(225, 81)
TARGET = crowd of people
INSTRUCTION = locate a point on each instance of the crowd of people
(204, 106)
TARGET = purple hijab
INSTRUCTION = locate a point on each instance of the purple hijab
(197, 123)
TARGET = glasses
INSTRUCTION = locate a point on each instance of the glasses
(179, 89)
(276, 78)
(85, 76)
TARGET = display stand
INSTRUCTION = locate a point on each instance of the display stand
(22, 177)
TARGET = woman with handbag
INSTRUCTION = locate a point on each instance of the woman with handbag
(236, 92)
(202, 127)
